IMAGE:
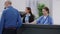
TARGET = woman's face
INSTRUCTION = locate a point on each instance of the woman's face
(26, 10)
(44, 12)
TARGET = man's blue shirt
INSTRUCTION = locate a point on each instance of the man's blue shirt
(47, 21)
(10, 18)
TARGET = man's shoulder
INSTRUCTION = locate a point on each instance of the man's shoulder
(49, 17)
(5, 10)
(14, 9)
(40, 16)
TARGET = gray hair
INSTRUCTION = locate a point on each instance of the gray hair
(8, 2)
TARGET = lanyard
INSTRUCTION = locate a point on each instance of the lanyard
(44, 19)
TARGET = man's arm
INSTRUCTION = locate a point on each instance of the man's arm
(19, 23)
(2, 22)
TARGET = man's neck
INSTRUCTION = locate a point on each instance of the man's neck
(46, 15)
(8, 6)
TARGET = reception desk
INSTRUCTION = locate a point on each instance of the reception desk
(39, 29)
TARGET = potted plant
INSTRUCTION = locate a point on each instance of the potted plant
(40, 7)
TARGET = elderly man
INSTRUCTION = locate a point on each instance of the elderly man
(10, 20)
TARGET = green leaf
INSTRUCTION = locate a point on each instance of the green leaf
(40, 7)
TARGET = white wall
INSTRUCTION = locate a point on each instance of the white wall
(1, 6)
(19, 4)
(56, 12)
